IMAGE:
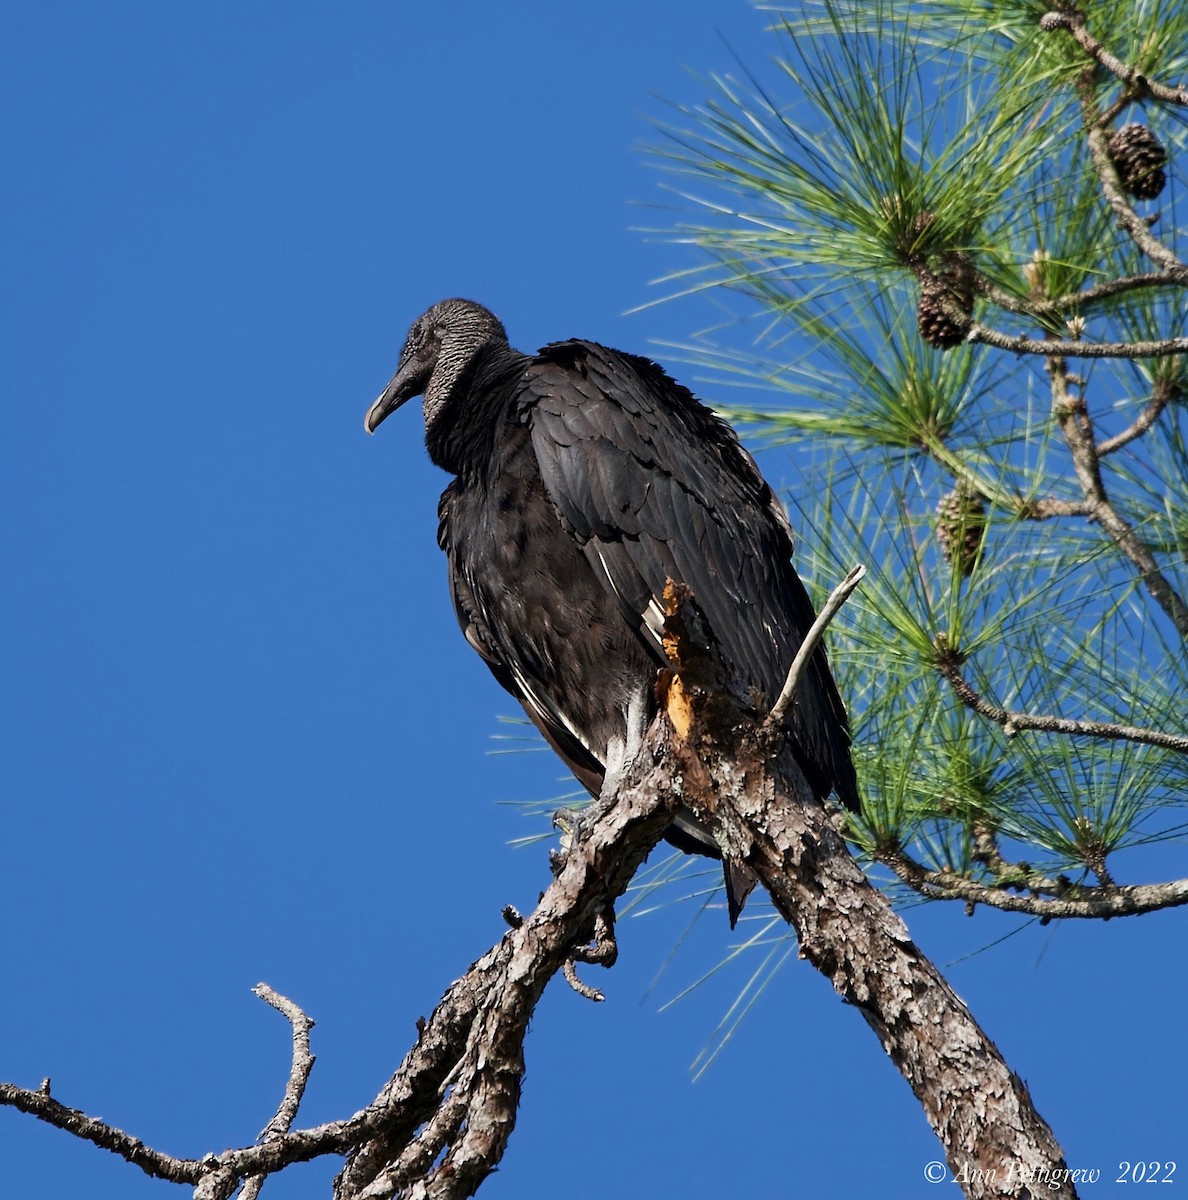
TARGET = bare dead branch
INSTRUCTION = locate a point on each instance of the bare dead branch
(299, 1071)
(569, 970)
(417, 1157)
(441, 1123)
(603, 950)
(1012, 721)
(484, 1018)
(44, 1107)
(461, 1079)
(829, 610)
(302, 1064)
(1136, 81)
(214, 1176)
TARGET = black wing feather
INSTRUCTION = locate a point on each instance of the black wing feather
(653, 486)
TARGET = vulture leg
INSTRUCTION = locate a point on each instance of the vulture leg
(622, 749)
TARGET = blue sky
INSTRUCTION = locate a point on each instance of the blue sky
(244, 739)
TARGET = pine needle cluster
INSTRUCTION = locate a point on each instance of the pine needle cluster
(960, 229)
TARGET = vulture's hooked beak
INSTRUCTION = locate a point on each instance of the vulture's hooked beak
(409, 381)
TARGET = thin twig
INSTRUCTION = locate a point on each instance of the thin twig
(302, 1065)
(1160, 399)
(829, 610)
(1073, 417)
(603, 950)
(1011, 502)
(1074, 348)
(1049, 507)
(303, 1145)
(1077, 301)
(1074, 22)
(586, 990)
(1013, 722)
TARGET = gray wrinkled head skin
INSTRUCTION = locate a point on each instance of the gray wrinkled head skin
(441, 342)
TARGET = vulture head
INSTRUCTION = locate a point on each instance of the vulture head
(440, 344)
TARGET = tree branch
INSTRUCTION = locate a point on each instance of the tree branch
(744, 784)
(1161, 397)
(948, 662)
(1074, 348)
(1135, 80)
(1049, 508)
(152, 1162)
(829, 610)
(1115, 195)
(483, 1067)
(1078, 301)
(441, 1124)
(1075, 902)
(1074, 421)
(1097, 139)
(458, 1087)
(299, 1071)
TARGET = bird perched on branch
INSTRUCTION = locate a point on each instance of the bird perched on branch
(584, 480)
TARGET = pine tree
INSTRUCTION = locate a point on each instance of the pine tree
(934, 204)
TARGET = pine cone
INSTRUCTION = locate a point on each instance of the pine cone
(952, 280)
(1139, 157)
(961, 528)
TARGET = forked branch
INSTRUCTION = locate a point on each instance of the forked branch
(1138, 83)
(440, 1125)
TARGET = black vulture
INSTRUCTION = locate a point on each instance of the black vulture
(584, 479)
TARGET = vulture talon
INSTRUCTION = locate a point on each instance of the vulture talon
(571, 822)
(585, 990)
